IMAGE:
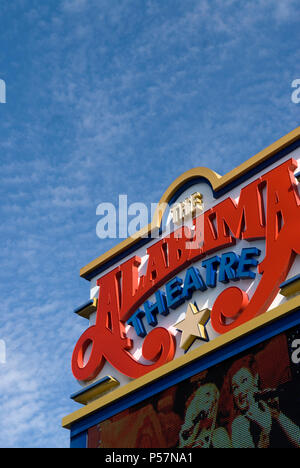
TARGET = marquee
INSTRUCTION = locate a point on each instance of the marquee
(218, 263)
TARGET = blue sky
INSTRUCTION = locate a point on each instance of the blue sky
(109, 97)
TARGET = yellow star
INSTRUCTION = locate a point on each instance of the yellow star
(193, 326)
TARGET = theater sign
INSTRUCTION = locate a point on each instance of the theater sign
(218, 265)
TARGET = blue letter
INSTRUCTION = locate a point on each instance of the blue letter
(229, 262)
(192, 282)
(136, 322)
(174, 293)
(159, 307)
(211, 270)
(246, 263)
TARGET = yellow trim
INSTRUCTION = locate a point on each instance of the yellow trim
(89, 309)
(217, 182)
(291, 289)
(97, 391)
(207, 348)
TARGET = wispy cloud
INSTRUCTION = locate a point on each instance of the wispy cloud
(110, 97)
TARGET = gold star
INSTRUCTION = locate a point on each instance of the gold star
(193, 326)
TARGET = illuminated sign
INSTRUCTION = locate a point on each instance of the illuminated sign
(227, 254)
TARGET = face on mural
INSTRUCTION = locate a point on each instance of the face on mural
(244, 386)
(207, 398)
(203, 407)
(203, 404)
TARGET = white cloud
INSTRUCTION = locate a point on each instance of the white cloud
(124, 97)
(74, 5)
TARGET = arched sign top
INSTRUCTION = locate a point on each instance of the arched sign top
(226, 250)
(218, 183)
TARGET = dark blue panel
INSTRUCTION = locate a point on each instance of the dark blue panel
(79, 441)
(290, 281)
(90, 387)
(78, 309)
